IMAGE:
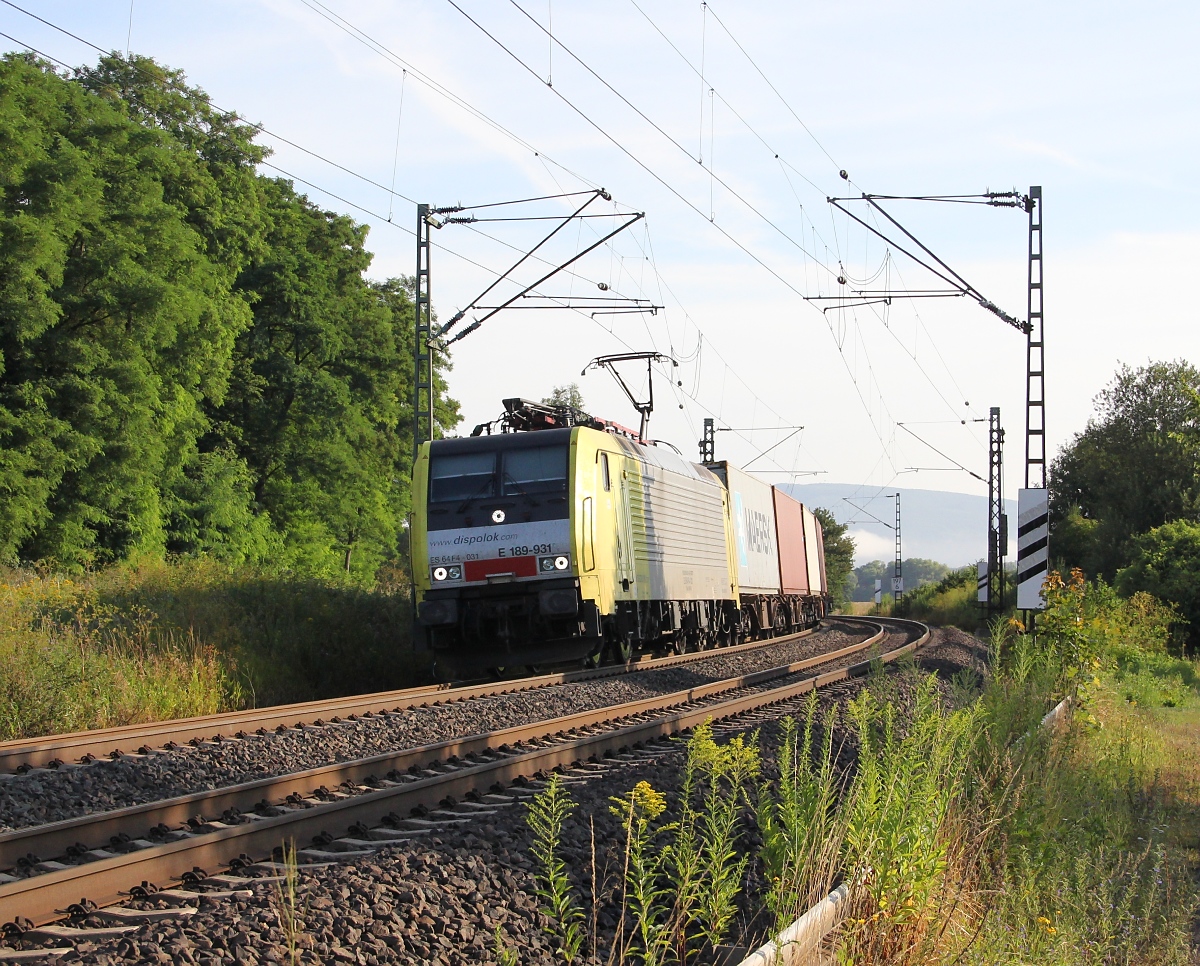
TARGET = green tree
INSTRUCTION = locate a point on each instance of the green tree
(839, 555)
(319, 405)
(1132, 469)
(1165, 562)
(191, 360)
(314, 402)
(118, 312)
(568, 396)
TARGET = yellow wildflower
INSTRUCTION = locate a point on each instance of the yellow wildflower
(643, 804)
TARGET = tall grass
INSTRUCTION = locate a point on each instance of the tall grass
(802, 830)
(153, 640)
(951, 602)
(1087, 864)
(968, 833)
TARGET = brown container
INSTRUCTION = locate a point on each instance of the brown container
(789, 533)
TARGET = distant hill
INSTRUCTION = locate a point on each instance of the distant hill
(950, 528)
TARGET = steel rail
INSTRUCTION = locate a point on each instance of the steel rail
(24, 753)
(40, 898)
(54, 838)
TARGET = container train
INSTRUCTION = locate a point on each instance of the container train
(566, 538)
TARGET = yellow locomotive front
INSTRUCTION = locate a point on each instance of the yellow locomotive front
(493, 555)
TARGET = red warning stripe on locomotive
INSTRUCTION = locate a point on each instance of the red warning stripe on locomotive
(516, 566)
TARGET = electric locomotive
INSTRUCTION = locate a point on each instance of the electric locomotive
(566, 538)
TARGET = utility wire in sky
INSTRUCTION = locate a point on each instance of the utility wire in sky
(640, 113)
(541, 155)
(362, 209)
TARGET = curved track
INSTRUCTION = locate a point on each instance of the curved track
(102, 856)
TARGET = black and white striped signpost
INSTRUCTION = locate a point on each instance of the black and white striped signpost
(1033, 546)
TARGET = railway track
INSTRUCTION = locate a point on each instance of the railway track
(359, 806)
(83, 747)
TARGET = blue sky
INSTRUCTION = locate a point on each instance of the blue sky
(1097, 103)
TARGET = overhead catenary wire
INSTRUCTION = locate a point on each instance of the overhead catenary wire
(393, 193)
(941, 454)
(633, 107)
(370, 42)
(346, 201)
(366, 40)
(706, 85)
(645, 167)
(396, 156)
(775, 90)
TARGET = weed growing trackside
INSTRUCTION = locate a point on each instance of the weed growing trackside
(166, 640)
(968, 833)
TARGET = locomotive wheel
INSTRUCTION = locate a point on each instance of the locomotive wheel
(621, 651)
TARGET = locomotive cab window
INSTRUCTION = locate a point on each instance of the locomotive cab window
(539, 470)
(462, 476)
(604, 471)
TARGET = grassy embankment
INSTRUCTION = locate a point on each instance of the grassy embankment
(950, 602)
(972, 834)
(157, 640)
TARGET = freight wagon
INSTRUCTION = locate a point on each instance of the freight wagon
(582, 543)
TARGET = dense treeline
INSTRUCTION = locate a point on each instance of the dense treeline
(191, 360)
(917, 571)
(1125, 492)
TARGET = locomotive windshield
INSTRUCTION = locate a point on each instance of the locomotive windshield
(529, 471)
(462, 476)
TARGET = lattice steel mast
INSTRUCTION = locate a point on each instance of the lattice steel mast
(1035, 381)
(898, 577)
(422, 355)
(997, 519)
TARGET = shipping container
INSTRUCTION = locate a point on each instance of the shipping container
(813, 551)
(821, 555)
(752, 507)
(789, 532)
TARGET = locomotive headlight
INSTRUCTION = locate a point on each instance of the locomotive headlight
(440, 573)
(548, 565)
(455, 572)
